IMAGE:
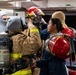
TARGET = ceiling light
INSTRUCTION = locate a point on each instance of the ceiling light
(28, 0)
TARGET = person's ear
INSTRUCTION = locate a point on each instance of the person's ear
(54, 26)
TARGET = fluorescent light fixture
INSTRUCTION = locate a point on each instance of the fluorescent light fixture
(28, 0)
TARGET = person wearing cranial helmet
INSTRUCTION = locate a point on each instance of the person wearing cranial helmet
(60, 15)
(34, 16)
(3, 21)
(67, 30)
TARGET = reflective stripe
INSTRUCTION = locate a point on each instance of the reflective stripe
(34, 30)
(16, 56)
(22, 72)
(30, 14)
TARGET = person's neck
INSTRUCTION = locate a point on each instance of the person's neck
(54, 32)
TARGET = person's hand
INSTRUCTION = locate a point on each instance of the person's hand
(43, 21)
(33, 65)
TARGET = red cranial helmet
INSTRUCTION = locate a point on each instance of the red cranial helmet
(59, 47)
(68, 31)
(33, 11)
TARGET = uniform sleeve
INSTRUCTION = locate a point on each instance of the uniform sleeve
(44, 61)
(44, 33)
(44, 26)
(33, 41)
(34, 37)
